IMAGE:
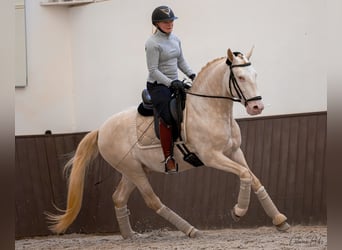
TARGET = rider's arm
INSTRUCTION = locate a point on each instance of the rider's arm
(182, 64)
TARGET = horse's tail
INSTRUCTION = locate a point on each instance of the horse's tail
(86, 151)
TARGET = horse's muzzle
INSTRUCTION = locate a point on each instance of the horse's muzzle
(255, 107)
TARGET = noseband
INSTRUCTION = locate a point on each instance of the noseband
(232, 84)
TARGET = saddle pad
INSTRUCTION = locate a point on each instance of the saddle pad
(145, 132)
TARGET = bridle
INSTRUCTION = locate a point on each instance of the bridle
(232, 84)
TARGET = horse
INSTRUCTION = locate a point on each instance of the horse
(128, 143)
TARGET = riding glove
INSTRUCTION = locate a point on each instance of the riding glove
(192, 76)
(176, 84)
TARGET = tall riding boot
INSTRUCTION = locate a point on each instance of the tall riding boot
(166, 140)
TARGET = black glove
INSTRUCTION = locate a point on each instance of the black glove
(176, 84)
(192, 77)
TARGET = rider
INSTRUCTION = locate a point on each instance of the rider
(164, 56)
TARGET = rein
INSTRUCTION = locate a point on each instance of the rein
(234, 99)
(232, 83)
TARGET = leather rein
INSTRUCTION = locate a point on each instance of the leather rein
(232, 84)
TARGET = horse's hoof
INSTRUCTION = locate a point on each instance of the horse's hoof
(283, 227)
(132, 236)
(136, 236)
(234, 216)
(195, 233)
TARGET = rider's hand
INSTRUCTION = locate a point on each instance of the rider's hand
(187, 85)
(176, 84)
(192, 77)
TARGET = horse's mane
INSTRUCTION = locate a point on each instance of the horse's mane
(209, 64)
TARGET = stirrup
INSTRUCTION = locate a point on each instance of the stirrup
(172, 170)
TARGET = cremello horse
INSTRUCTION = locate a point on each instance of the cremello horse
(209, 130)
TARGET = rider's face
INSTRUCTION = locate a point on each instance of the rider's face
(166, 26)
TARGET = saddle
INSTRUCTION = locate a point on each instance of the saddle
(177, 105)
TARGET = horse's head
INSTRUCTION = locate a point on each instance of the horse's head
(242, 81)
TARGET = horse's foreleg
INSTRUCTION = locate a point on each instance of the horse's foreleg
(242, 204)
(152, 201)
(222, 162)
(278, 219)
(120, 199)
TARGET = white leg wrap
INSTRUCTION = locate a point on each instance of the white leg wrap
(240, 209)
(269, 207)
(177, 221)
(122, 215)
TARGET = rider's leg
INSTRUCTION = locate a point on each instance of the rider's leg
(166, 140)
(161, 96)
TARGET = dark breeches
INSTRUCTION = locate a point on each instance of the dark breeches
(161, 96)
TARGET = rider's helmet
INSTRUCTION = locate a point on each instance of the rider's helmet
(162, 13)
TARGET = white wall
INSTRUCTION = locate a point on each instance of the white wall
(47, 102)
(88, 62)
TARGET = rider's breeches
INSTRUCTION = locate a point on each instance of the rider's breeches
(160, 97)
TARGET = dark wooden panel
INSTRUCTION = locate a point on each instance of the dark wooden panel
(290, 205)
(282, 173)
(319, 185)
(55, 167)
(23, 194)
(287, 154)
(33, 190)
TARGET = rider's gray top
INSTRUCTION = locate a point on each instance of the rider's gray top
(164, 56)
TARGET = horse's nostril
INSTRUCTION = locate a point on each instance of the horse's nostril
(255, 107)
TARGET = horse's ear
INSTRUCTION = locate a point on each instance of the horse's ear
(230, 55)
(249, 54)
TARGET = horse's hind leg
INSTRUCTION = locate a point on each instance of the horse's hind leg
(152, 201)
(120, 199)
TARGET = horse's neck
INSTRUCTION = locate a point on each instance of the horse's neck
(210, 78)
(210, 82)
(210, 119)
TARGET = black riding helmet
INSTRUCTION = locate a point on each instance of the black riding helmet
(162, 13)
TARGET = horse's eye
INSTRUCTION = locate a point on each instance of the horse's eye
(241, 78)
